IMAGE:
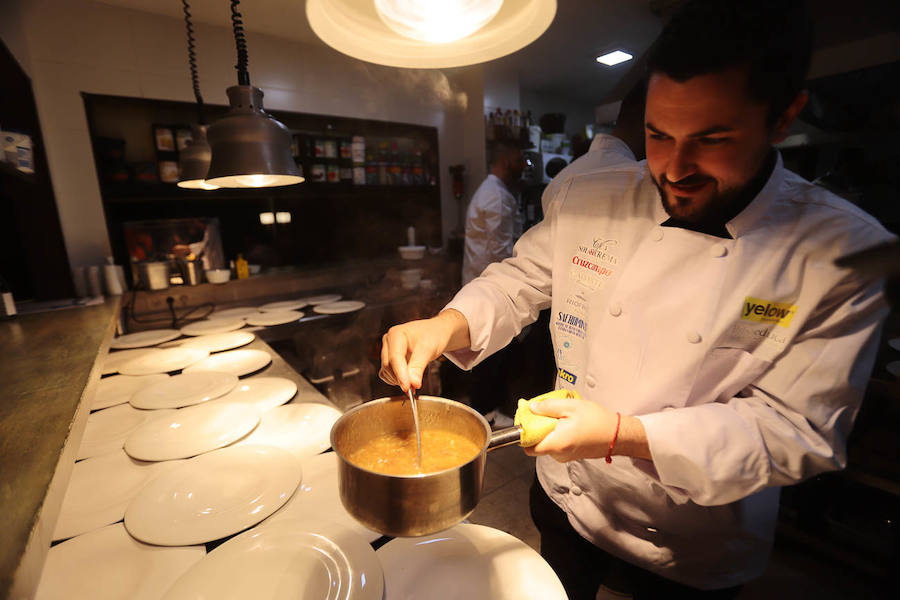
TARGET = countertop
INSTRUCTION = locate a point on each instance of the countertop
(49, 364)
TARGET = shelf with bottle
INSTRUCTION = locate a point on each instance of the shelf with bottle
(509, 125)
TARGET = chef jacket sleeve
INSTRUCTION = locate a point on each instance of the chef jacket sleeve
(508, 295)
(791, 424)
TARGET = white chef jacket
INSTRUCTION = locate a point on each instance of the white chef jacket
(744, 358)
(492, 227)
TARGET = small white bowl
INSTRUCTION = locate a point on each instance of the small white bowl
(218, 275)
(412, 252)
(254, 269)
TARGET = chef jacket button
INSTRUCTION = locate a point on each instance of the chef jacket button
(657, 234)
(591, 381)
(718, 250)
(576, 490)
(615, 309)
(693, 337)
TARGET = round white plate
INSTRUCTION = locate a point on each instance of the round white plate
(185, 389)
(300, 559)
(115, 359)
(213, 496)
(336, 308)
(466, 561)
(279, 317)
(323, 299)
(108, 564)
(140, 339)
(99, 490)
(238, 312)
(164, 361)
(118, 389)
(283, 305)
(302, 429)
(318, 497)
(237, 362)
(894, 343)
(107, 429)
(894, 368)
(217, 342)
(192, 431)
(264, 393)
(210, 326)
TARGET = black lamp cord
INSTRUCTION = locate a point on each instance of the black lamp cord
(241, 43)
(192, 60)
(175, 319)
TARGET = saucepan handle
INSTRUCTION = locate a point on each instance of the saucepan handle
(505, 437)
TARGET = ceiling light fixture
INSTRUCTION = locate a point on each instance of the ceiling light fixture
(429, 34)
(249, 148)
(193, 161)
(614, 58)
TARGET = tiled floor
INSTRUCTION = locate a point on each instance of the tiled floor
(792, 573)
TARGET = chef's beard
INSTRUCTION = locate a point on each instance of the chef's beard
(711, 208)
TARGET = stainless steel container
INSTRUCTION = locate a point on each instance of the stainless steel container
(191, 271)
(412, 505)
(153, 275)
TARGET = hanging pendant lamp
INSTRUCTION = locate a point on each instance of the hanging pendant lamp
(429, 34)
(193, 161)
(249, 148)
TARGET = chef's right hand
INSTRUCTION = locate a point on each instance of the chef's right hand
(408, 348)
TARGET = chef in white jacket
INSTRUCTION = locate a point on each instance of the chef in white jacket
(696, 309)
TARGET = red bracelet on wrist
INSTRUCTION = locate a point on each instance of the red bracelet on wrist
(615, 437)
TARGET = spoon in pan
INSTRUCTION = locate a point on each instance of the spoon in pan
(415, 411)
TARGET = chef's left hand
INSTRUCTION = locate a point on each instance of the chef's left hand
(585, 430)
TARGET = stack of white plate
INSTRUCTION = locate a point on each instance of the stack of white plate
(236, 362)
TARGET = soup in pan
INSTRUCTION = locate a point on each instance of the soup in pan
(395, 453)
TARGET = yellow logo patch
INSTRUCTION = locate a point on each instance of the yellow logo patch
(764, 311)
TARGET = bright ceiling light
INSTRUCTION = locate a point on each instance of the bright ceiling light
(266, 218)
(429, 34)
(614, 58)
(437, 22)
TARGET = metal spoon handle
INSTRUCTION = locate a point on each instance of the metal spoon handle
(415, 411)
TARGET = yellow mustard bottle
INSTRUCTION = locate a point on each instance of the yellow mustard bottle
(241, 268)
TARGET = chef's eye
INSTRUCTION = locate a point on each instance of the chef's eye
(710, 141)
(658, 136)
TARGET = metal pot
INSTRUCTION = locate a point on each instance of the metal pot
(421, 504)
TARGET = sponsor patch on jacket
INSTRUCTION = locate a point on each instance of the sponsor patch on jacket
(766, 311)
(567, 376)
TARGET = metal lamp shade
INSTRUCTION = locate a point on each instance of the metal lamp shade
(194, 161)
(249, 148)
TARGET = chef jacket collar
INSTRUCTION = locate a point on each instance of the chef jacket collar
(747, 216)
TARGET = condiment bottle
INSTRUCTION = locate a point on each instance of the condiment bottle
(241, 268)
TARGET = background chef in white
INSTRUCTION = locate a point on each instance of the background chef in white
(697, 311)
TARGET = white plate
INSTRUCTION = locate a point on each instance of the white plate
(99, 490)
(318, 497)
(466, 561)
(301, 559)
(217, 342)
(323, 299)
(192, 431)
(302, 429)
(275, 317)
(894, 368)
(114, 360)
(237, 362)
(239, 312)
(283, 305)
(140, 339)
(107, 429)
(264, 393)
(118, 389)
(185, 389)
(213, 496)
(108, 564)
(164, 361)
(210, 326)
(894, 343)
(336, 308)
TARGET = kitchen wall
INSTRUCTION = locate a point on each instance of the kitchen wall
(75, 46)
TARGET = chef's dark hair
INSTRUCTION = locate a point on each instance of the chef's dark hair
(771, 38)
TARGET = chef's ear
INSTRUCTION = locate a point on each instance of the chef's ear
(783, 124)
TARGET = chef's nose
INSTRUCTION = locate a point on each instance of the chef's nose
(681, 163)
